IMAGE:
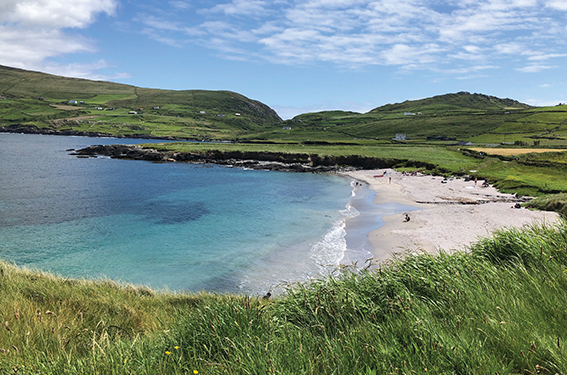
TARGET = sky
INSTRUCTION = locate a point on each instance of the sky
(300, 56)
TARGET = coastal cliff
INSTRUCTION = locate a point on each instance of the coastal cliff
(277, 161)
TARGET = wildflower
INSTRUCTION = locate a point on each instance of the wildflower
(195, 372)
(176, 347)
(125, 360)
(168, 353)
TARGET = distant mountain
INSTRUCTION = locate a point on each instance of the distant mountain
(223, 108)
(461, 101)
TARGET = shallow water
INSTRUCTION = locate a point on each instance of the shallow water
(177, 226)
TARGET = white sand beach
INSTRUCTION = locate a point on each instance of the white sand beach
(450, 214)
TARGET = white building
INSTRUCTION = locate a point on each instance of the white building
(399, 137)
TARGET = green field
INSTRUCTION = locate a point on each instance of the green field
(498, 309)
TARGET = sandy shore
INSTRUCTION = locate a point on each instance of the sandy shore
(449, 214)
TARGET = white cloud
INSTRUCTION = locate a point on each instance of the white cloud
(512, 48)
(28, 48)
(410, 34)
(402, 54)
(31, 32)
(84, 71)
(159, 23)
(152, 34)
(556, 4)
(55, 14)
(180, 4)
(241, 8)
(534, 68)
(546, 57)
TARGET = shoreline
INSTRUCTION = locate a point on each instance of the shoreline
(445, 214)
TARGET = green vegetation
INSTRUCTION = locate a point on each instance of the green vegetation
(497, 309)
(555, 202)
(59, 104)
(460, 116)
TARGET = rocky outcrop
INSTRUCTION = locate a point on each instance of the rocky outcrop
(254, 160)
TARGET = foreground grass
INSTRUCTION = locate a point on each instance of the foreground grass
(498, 309)
(555, 202)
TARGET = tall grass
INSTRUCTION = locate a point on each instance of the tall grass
(499, 308)
(555, 202)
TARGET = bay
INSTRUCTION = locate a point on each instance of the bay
(176, 226)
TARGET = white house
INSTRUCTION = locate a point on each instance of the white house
(399, 137)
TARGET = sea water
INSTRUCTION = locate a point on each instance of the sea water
(176, 226)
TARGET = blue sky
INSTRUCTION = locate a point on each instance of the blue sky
(300, 56)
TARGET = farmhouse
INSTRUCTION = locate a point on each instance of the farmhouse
(399, 137)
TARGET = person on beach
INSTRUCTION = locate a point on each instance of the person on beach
(407, 218)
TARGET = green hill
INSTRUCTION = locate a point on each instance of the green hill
(461, 101)
(60, 104)
(461, 116)
(39, 102)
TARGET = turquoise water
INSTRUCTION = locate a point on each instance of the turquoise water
(175, 226)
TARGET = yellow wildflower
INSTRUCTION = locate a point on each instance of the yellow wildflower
(168, 353)
(176, 347)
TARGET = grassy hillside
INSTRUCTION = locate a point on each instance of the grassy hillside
(451, 117)
(496, 310)
(69, 104)
(459, 102)
(44, 101)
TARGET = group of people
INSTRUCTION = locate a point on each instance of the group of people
(413, 173)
